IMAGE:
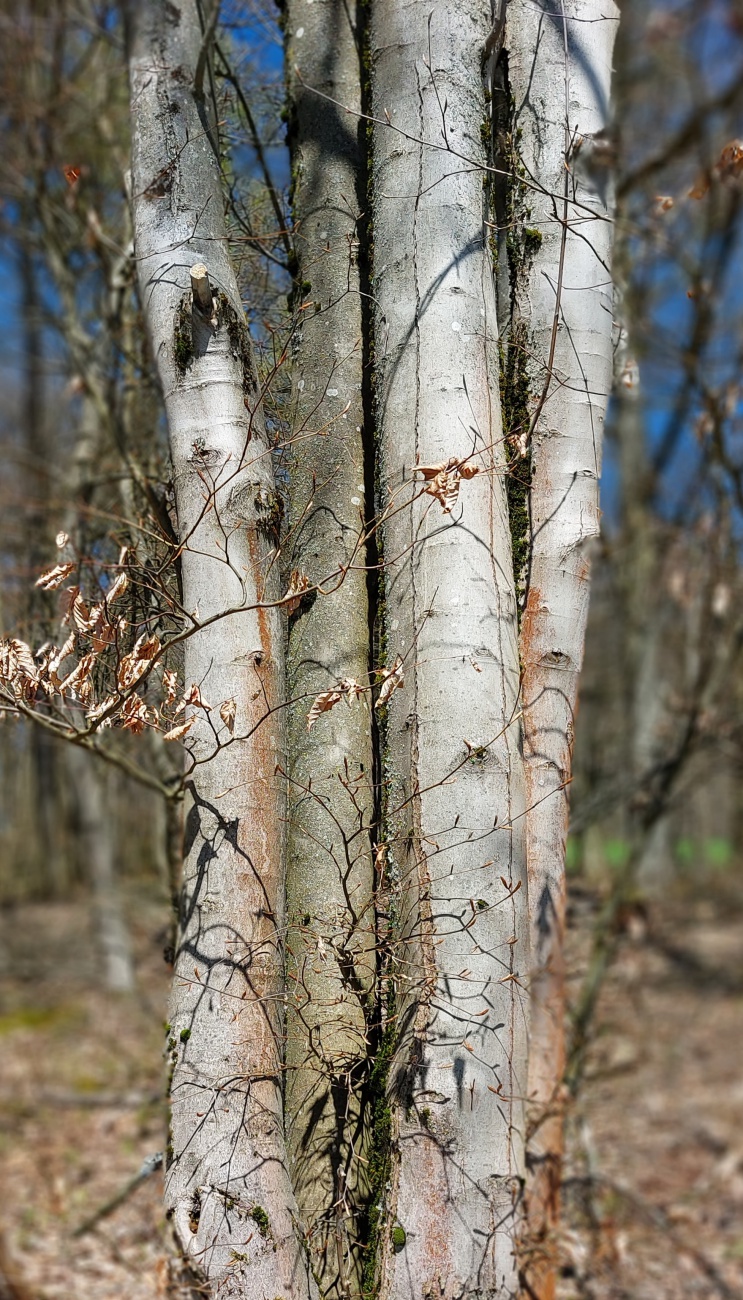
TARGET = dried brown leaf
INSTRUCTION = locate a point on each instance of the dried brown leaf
(730, 163)
(134, 666)
(80, 614)
(443, 481)
(74, 680)
(103, 635)
(445, 488)
(193, 697)
(518, 443)
(69, 596)
(227, 711)
(699, 188)
(135, 716)
(170, 685)
(177, 733)
(17, 666)
(298, 584)
(116, 591)
(432, 471)
(664, 203)
(97, 712)
(84, 691)
(323, 703)
(393, 678)
(53, 578)
(58, 657)
(728, 167)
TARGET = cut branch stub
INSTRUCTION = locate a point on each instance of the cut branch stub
(202, 290)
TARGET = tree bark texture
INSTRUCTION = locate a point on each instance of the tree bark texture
(228, 1189)
(558, 67)
(453, 787)
(331, 935)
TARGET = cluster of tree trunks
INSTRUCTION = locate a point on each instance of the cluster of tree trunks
(366, 1021)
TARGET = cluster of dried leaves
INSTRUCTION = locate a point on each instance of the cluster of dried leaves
(69, 677)
(349, 690)
(443, 480)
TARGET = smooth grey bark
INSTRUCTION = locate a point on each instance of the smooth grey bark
(559, 69)
(330, 874)
(227, 1186)
(95, 817)
(453, 783)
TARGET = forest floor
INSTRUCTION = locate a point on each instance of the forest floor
(654, 1190)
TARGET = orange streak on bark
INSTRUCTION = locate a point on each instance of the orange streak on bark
(548, 757)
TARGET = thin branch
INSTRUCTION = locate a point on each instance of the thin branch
(259, 150)
(149, 1167)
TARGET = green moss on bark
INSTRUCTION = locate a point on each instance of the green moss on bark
(519, 242)
(261, 1220)
(515, 407)
(237, 331)
(239, 336)
(380, 1160)
(183, 351)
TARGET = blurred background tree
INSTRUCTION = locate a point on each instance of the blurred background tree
(656, 743)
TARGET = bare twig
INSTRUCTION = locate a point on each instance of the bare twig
(149, 1167)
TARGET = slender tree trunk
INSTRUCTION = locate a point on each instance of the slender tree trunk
(88, 779)
(640, 555)
(169, 850)
(45, 756)
(451, 732)
(96, 818)
(227, 1184)
(331, 936)
(557, 61)
(644, 625)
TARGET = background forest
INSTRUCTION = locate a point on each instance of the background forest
(89, 851)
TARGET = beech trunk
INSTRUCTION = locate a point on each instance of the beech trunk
(330, 875)
(557, 67)
(454, 793)
(228, 1190)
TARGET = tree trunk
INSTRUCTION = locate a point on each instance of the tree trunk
(557, 66)
(96, 836)
(331, 939)
(45, 756)
(227, 1184)
(451, 732)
